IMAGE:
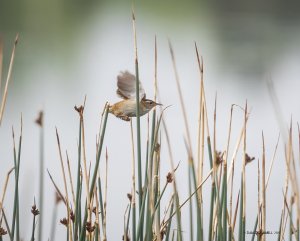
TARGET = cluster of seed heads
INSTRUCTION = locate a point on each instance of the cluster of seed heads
(34, 210)
(169, 177)
(2, 231)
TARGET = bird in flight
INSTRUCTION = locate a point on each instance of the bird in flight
(126, 108)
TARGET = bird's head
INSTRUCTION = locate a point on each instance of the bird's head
(149, 104)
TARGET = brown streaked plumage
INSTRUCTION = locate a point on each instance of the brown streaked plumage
(126, 108)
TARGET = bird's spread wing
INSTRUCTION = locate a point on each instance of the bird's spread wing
(127, 86)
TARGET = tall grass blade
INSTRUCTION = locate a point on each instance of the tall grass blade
(263, 190)
(211, 213)
(223, 207)
(5, 188)
(78, 196)
(224, 199)
(138, 125)
(39, 121)
(70, 179)
(54, 218)
(86, 171)
(132, 197)
(241, 219)
(35, 212)
(17, 162)
(170, 221)
(105, 197)
(291, 220)
(126, 236)
(69, 228)
(177, 212)
(96, 236)
(254, 230)
(141, 220)
(197, 200)
(133, 221)
(4, 97)
(213, 193)
(7, 226)
(148, 185)
(191, 207)
(280, 227)
(92, 186)
(101, 200)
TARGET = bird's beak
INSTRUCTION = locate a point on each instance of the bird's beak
(158, 103)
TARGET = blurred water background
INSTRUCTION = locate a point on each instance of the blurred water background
(69, 49)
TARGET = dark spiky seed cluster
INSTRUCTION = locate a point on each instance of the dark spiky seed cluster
(58, 198)
(79, 109)
(72, 216)
(219, 157)
(64, 221)
(34, 210)
(39, 119)
(129, 196)
(249, 159)
(89, 227)
(2, 231)
(169, 177)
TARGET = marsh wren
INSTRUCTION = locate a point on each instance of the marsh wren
(126, 108)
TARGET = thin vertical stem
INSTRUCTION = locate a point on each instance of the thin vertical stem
(17, 162)
(138, 127)
(40, 121)
(263, 190)
(105, 197)
(66, 188)
(3, 102)
(177, 205)
(78, 196)
(93, 181)
(191, 206)
(133, 187)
